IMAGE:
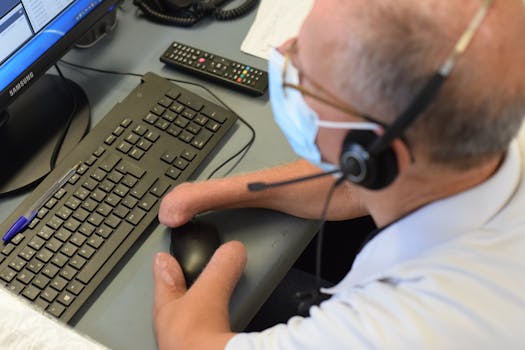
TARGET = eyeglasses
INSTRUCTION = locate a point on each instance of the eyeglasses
(332, 100)
(420, 102)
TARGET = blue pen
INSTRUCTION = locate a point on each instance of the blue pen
(25, 219)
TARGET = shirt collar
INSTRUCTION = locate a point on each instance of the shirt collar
(435, 223)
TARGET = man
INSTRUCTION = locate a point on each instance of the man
(446, 268)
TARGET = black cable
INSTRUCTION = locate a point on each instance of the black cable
(244, 149)
(186, 19)
(62, 137)
(241, 10)
(315, 296)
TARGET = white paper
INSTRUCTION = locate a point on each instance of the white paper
(276, 21)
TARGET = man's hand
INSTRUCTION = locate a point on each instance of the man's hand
(196, 318)
(179, 206)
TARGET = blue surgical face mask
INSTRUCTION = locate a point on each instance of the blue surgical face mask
(297, 120)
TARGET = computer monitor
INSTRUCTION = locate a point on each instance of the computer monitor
(40, 113)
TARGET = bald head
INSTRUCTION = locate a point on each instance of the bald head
(387, 50)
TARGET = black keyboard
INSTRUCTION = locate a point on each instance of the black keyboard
(152, 140)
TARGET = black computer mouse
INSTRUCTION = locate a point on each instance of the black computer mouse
(193, 244)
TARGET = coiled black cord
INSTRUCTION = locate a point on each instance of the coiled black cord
(155, 11)
(185, 19)
(241, 10)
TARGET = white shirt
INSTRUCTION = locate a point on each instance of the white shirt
(451, 275)
(22, 326)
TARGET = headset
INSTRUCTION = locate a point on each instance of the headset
(367, 159)
(186, 13)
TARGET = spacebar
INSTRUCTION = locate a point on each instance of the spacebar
(104, 253)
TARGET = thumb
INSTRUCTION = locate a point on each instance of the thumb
(169, 280)
(222, 272)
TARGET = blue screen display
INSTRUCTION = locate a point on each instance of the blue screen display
(28, 28)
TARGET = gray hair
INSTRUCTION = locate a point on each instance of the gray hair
(396, 54)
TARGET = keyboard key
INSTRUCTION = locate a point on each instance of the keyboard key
(54, 245)
(8, 249)
(7, 274)
(112, 221)
(135, 216)
(72, 224)
(55, 223)
(36, 243)
(25, 276)
(214, 114)
(16, 240)
(50, 270)
(151, 118)
(41, 281)
(86, 229)
(159, 188)
(15, 287)
(44, 255)
(201, 139)
(180, 163)
(73, 203)
(17, 263)
(58, 283)
(152, 136)
(75, 287)
(27, 253)
(173, 173)
(63, 235)
(143, 186)
(31, 292)
(49, 294)
(95, 241)
(109, 162)
(147, 202)
(35, 265)
(60, 260)
(130, 168)
(168, 157)
(191, 102)
(129, 202)
(56, 309)
(40, 303)
(68, 272)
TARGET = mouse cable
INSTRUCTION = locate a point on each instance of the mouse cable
(244, 149)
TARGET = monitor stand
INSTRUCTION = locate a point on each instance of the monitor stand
(31, 127)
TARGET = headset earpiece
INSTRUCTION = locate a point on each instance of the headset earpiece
(362, 168)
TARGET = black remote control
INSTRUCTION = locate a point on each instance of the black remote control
(233, 74)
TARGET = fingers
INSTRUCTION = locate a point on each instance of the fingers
(168, 213)
(180, 205)
(222, 272)
(169, 280)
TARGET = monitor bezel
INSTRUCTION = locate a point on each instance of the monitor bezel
(40, 66)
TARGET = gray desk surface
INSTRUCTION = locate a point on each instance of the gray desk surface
(120, 317)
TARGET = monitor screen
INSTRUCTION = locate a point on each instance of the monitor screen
(40, 113)
(36, 33)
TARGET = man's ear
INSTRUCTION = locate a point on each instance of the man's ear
(403, 155)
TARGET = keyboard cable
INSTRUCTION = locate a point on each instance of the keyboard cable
(244, 149)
